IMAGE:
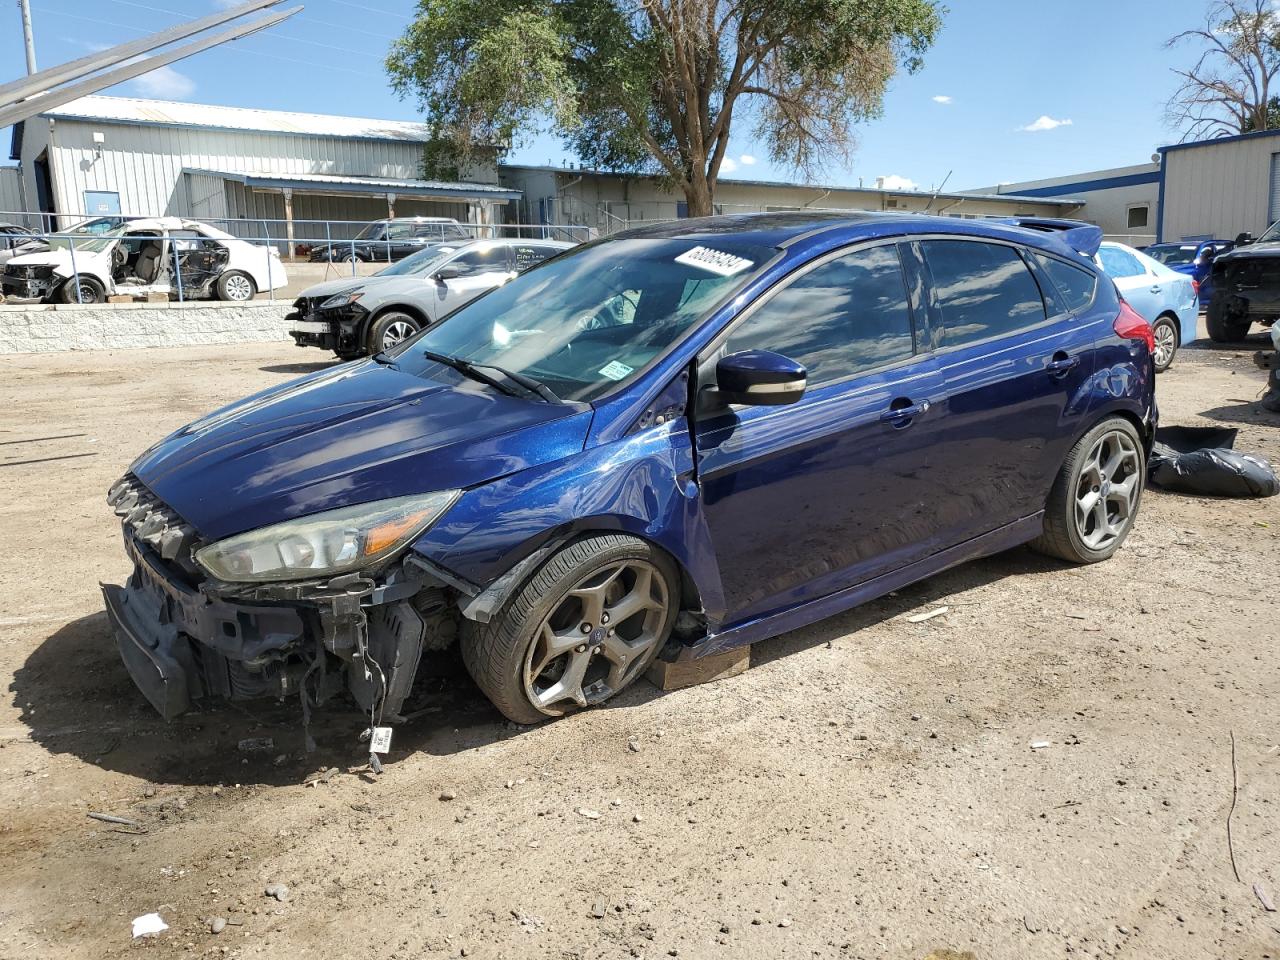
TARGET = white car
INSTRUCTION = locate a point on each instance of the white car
(1167, 299)
(145, 257)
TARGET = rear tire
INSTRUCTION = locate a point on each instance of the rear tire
(1096, 495)
(1165, 331)
(389, 329)
(236, 286)
(584, 627)
(1223, 328)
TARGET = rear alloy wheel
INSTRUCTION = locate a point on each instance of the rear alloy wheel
(236, 287)
(587, 624)
(1166, 338)
(1095, 498)
(390, 329)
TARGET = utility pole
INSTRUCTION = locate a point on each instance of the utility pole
(28, 36)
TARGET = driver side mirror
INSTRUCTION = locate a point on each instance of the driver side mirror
(1244, 239)
(446, 273)
(760, 378)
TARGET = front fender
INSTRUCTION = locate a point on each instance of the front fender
(643, 485)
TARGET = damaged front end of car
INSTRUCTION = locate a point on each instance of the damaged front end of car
(30, 281)
(330, 322)
(305, 608)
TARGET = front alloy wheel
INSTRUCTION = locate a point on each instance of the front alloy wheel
(583, 628)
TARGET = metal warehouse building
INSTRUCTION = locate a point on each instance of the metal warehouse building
(1218, 189)
(105, 155)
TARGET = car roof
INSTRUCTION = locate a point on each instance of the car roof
(783, 229)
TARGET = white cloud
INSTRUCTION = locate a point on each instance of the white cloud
(1046, 122)
(747, 160)
(895, 182)
(164, 83)
(728, 165)
(942, 99)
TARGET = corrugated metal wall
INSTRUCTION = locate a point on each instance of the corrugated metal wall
(144, 164)
(1218, 189)
(10, 189)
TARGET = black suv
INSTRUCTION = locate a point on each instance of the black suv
(1246, 287)
(388, 240)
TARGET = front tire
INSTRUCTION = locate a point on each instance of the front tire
(1165, 332)
(236, 286)
(91, 291)
(584, 627)
(1223, 328)
(389, 329)
(1096, 495)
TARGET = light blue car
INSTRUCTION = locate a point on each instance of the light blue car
(1166, 298)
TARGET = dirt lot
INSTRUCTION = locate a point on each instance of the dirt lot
(867, 789)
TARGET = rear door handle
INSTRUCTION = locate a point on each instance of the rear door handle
(899, 414)
(1061, 363)
(1156, 288)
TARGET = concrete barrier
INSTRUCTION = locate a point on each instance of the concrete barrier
(42, 328)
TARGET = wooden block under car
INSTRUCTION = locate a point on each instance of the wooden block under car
(666, 675)
(119, 298)
(157, 298)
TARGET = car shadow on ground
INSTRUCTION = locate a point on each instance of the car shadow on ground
(310, 367)
(75, 697)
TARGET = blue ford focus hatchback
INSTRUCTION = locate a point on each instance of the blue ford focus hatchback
(671, 442)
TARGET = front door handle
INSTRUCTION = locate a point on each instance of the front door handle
(1156, 288)
(1061, 363)
(900, 416)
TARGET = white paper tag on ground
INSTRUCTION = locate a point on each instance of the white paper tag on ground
(713, 261)
(380, 742)
(148, 925)
(615, 370)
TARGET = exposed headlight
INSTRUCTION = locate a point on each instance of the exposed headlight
(324, 544)
(341, 300)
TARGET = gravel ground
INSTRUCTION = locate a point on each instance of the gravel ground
(867, 789)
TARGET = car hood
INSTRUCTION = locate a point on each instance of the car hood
(331, 288)
(1254, 251)
(57, 258)
(351, 434)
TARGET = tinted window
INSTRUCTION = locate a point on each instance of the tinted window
(982, 290)
(1075, 285)
(847, 315)
(1173, 255)
(487, 260)
(1118, 263)
(401, 231)
(1137, 217)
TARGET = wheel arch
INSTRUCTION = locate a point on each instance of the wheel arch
(362, 333)
(537, 551)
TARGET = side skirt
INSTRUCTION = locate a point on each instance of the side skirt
(1006, 537)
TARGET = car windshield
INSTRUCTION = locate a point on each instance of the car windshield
(1272, 234)
(89, 244)
(420, 263)
(1173, 254)
(593, 317)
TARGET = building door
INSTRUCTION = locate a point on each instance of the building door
(1273, 207)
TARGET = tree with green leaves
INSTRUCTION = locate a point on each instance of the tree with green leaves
(654, 86)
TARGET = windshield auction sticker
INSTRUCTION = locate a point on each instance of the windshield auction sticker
(713, 261)
(615, 370)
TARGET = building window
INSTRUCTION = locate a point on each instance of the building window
(1138, 217)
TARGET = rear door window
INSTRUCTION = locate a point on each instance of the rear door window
(981, 290)
(1075, 285)
(488, 260)
(846, 316)
(1119, 264)
(526, 255)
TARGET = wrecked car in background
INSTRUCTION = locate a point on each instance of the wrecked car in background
(356, 316)
(673, 442)
(146, 257)
(390, 240)
(1246, 287)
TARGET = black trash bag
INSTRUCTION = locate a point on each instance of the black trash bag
(1200, 460)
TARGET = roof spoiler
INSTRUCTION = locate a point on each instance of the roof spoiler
(1081, 237)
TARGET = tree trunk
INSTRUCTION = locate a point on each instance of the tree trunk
(698, 197)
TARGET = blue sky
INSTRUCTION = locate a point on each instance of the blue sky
(1089, 77)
